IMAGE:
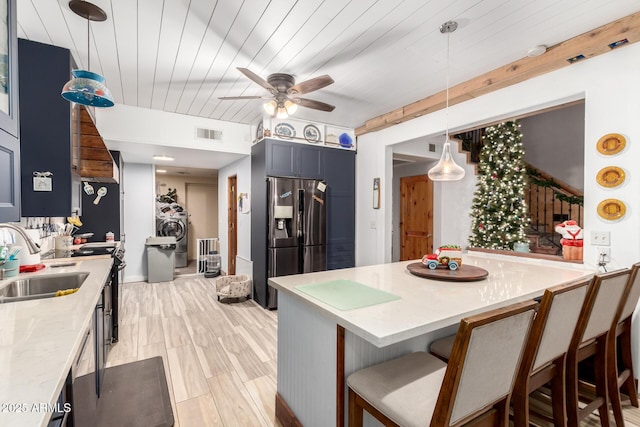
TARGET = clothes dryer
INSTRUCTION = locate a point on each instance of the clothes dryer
(175, 224)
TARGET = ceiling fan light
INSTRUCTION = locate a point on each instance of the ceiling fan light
(282, 113)
(291, 106)
(270, 107)
(446, 169)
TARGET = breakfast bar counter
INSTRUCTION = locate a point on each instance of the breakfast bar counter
(320, 344)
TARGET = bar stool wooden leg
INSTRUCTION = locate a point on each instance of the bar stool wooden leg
(355, 411)
(520, 404)
(627, 381)
(571, 375)
(600, 378)
(558, 389)
(621, 376)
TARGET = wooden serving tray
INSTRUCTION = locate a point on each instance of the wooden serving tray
(464, 273)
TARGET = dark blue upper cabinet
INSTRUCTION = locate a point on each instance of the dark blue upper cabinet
(290, 159)
(9, 71)
(46, 130)
(9, 142)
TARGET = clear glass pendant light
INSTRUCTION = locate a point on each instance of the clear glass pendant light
(446, 169)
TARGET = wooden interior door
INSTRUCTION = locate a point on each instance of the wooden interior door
(202, 205)
(232, 216)
(416, 217)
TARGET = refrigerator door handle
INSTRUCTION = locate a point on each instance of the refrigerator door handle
(300, 210)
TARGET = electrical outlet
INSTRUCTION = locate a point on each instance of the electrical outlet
(606, 252)
(601, 238)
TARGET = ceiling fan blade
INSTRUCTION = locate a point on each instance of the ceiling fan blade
(257, 79)
(243, 97)
(316, 105)
(311, 85)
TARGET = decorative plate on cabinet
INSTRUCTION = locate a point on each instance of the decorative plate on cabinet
(285, 130)
(610, 177)
(611, 209)
(260, 131)
(612, 143)
(312, 134)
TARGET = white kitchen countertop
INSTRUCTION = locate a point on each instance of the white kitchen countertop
(40, 338)
(427, 305)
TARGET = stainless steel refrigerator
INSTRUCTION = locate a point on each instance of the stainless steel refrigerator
(297, 229)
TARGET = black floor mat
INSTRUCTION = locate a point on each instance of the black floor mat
(133, 395)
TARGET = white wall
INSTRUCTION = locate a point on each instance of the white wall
(553, 139)
(610, 87)
(139, 217)
(241, 169)
(141, 125)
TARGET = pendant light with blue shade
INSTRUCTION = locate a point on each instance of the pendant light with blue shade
(86, 87)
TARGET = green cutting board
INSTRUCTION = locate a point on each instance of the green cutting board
(346, 294)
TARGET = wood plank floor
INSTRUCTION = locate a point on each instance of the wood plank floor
(220, 359)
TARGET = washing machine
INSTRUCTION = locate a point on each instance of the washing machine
(175, 224)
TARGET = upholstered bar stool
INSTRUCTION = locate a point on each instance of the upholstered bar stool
(419, 389)
(597, 315)
(545, 350)
(619, 360)
(544, 355)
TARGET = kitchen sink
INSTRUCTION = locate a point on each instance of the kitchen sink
(41, 287)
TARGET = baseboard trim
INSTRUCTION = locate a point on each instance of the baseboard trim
(284, 414)
(130, 279)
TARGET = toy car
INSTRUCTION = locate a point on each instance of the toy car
(449, 256)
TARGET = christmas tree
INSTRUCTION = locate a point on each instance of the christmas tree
(499, 211)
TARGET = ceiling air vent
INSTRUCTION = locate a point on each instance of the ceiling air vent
(203, 133)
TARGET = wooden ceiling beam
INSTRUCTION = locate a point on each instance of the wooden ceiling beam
(589, 44)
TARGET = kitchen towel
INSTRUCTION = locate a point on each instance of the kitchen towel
(346, 294)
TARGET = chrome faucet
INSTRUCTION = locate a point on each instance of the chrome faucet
(34, 248)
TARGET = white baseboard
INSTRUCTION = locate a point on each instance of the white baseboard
(245, 266)
(130, 279)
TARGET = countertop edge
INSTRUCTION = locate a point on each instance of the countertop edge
(99, 268)
(290, 282)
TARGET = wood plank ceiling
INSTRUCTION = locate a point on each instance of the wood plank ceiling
(181, 55)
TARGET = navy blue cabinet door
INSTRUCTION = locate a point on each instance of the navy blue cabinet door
(8, 75)
(45, 129)
(281, 159)
(340, 174)
(290, 159)
(9, 178)
(9, 142)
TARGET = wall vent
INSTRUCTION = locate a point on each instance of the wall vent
(203, 133)
(432, 148)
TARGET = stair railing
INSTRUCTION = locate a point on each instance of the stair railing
(551, 202)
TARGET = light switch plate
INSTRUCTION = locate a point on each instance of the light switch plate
(601, 238)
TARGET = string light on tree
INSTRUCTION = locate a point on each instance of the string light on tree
(499, 211)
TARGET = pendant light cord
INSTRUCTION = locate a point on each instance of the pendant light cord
(88, 51)
(447, 93)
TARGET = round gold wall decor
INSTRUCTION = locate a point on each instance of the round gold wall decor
(611, 209)
(611, 143)
(610, 176)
